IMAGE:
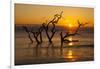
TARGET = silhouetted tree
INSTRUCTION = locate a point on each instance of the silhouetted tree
(37, 34)
(47, 32)
(53, 22)
(28, 32)
(63, 38)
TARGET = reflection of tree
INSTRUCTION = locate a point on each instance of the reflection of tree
(49, 50)
(61, 51)
(37, 51)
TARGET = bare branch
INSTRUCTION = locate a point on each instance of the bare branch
(27, 31)
(35, 34)
(53, 22)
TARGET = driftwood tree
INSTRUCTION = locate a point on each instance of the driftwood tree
(47, 32)
(53, 22)
(35, 34)
(63, 37)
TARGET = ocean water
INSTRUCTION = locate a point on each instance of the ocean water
(33, 53)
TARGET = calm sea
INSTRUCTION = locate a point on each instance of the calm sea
(33, 53)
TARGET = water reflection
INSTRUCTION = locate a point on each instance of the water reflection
(70, 43)
(53, 52)
(70, 38)
(43, 53)
(70, 56)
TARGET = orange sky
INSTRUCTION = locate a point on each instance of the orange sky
(37, 14)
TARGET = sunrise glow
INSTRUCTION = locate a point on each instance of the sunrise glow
(30, 14)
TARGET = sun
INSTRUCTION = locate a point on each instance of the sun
(68, 22)
(70, 25)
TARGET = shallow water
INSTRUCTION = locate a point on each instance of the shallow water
(27, 53)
